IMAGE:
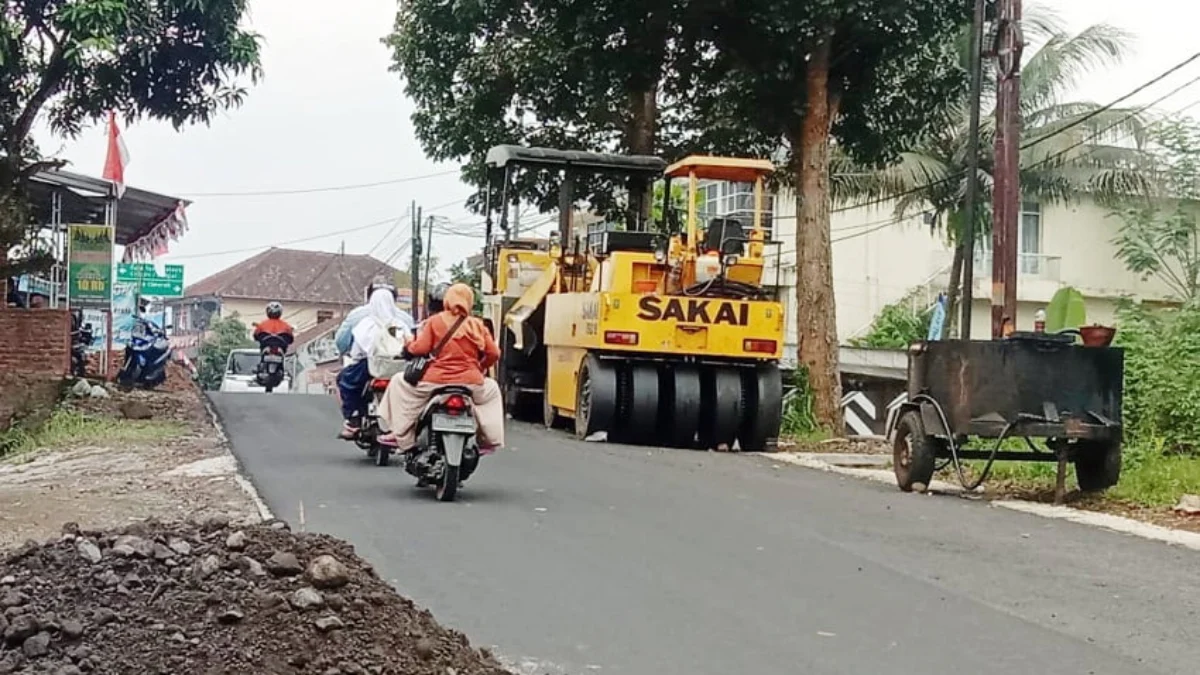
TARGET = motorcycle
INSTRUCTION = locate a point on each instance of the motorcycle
(146, 357)
(81, 338)
(270, 372)
(370, 431)
(447, 452)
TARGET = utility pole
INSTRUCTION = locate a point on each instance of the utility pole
(1006, 195)
(428, 260)
(415, 269)
(967, 297)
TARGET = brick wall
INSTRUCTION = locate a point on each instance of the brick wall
(35, 341)
(35, 354)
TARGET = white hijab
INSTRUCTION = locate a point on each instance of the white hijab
(382, 314)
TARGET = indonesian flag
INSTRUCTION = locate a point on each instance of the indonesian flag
(118, 156)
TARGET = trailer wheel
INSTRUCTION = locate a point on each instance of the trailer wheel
(1097, 465)
(914, 453)
(595, 397)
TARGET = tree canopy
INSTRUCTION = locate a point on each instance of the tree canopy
(72, 61)
(673, 77)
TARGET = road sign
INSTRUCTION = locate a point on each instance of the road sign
(149, 282)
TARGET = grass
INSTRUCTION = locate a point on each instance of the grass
(67, 428)
(1148, 477)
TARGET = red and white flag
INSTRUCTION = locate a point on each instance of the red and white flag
(118, 156)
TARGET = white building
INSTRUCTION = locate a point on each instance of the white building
(879, 260)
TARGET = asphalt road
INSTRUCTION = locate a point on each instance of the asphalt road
(581, 558)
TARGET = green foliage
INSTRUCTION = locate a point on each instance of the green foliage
(1160, 238)
(224, 335)
(799, 421)
(71, 61)
(459, 274)
(896, 327)
(66, 428)
(1066, 310)
(565, 74)
(1162, 367)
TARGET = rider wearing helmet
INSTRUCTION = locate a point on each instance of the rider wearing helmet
(274, 325)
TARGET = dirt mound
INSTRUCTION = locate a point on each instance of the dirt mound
(208, 599)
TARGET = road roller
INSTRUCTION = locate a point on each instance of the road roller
(648, 333)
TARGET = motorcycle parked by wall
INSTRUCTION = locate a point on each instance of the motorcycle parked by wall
(82, 338)
(447, 450)
(270, 373)
(146, 357)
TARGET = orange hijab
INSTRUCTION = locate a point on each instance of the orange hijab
(459, 301)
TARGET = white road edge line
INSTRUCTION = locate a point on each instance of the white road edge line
(1121, 524)
(239, 476)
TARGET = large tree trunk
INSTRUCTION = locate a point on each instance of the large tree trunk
(815, 310)
(640, 133)
(953, 289)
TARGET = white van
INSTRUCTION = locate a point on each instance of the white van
(239, 374)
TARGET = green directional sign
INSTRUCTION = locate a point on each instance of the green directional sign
(148, 281)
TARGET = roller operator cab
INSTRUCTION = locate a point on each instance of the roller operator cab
(650, 335)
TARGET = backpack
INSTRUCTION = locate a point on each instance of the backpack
(384, 358)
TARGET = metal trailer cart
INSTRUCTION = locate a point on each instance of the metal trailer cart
(1030, 386)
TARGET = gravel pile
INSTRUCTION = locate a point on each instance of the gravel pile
(209, 599)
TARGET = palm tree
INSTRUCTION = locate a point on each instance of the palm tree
(1069, 148)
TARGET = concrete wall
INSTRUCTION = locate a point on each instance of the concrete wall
(301, 316)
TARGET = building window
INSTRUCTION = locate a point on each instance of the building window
(324, 315)
(1029, 239)
(734, 200)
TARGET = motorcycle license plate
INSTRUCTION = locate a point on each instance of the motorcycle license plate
(454, 424)
(273, 358)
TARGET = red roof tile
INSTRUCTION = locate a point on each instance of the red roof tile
(289, 275)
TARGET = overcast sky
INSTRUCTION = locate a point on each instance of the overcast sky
(328, 113)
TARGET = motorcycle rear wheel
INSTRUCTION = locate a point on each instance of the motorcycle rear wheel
(447, 487)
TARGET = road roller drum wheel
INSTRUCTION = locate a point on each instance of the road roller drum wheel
(762, 390)
(679, 405)
(637, 421)
(595, 397)
(720, 407)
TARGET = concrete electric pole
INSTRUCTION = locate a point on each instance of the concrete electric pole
(1006, 195)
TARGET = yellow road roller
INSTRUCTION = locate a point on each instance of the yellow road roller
(650, 335)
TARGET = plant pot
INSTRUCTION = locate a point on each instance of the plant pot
(1097, 335)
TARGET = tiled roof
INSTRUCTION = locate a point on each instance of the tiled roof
(319, 330)
(289, 275)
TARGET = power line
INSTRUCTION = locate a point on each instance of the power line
(301, 240)
(335, 188)
(1109, 106)
(1046, 137)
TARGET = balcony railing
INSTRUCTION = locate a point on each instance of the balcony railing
(1034, 265)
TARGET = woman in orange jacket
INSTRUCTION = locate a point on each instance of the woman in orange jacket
(463, 360)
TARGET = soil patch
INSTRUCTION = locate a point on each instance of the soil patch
(111, 478)
(211, 599)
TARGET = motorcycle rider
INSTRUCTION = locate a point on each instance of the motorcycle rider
(463, 360)
(274, 326)
(381, 314)
(344, 337)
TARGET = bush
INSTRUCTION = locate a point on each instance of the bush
(798, 418)
(1162, 369)
(223, 336)
(896, 327)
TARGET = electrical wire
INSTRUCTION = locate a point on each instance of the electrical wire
(315, 190)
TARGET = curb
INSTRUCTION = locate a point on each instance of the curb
(239, 476)
(1120, 524)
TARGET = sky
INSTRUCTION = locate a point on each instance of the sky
(329, 114)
